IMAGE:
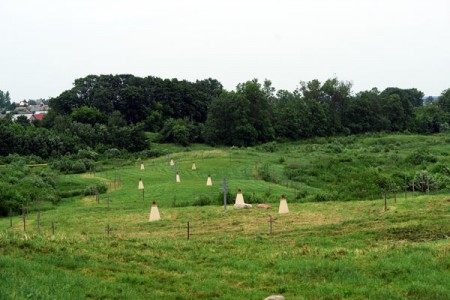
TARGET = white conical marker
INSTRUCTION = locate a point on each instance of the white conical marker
(154, 213)
(239, 198)
(177, 178)
(141, 184)
(171, 162)
(142, 166)
(283, 206)
(194, 167)
(209, 181)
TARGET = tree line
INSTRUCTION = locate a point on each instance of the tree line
(114, 111)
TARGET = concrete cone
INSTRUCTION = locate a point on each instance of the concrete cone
(283, 206)
(171, 162)
(142, 166)
(177, 178)
(239, 198)
(141, 184)
(209, 181)
(154, 213)
(194, 167)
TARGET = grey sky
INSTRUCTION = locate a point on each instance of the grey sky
(46, 45)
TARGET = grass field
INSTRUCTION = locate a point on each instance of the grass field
(319, 250)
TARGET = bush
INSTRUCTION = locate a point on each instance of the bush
(326, 196)
(100, 187)
(112, 153)
(421, 156)
(203, 200)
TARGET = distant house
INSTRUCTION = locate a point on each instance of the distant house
(29, 116)
(37, 116)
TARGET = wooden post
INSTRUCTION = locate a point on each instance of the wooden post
(108, 229)
(24, 220)
(188, 233)
(270, 221)
(428, 185)
(385, 201)
(53, 228)
(225, 189)
(10, 217)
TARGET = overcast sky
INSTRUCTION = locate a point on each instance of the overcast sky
(45, 45)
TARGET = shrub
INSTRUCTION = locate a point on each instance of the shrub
(100, 187)
(203, 200)
(421, 156)
(326, 196)
(112, 153)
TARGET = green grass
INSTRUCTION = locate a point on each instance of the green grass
(320, 250)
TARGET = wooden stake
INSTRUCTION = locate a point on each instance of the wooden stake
(53, 228)
(270, 221)
(188, 233)
(24, 220)
(385, 201)
(108, 229)
(10, 217)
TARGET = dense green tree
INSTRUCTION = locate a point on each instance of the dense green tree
(444, 101)
(23, 120)
(365, 113)
(88, 115)
(429, 118)
(228, 121)
(5, 100)
(260, 113)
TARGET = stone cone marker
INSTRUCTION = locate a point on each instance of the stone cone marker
(142, 166)
(194, 167)
(209, 181)
(141, 184)
(154, 213)
(177, 178)
(239, 198)
(283, 206)
(171, 162)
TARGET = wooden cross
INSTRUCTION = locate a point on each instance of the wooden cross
(224, 189)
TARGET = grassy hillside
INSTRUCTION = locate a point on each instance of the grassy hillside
(320, 250)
